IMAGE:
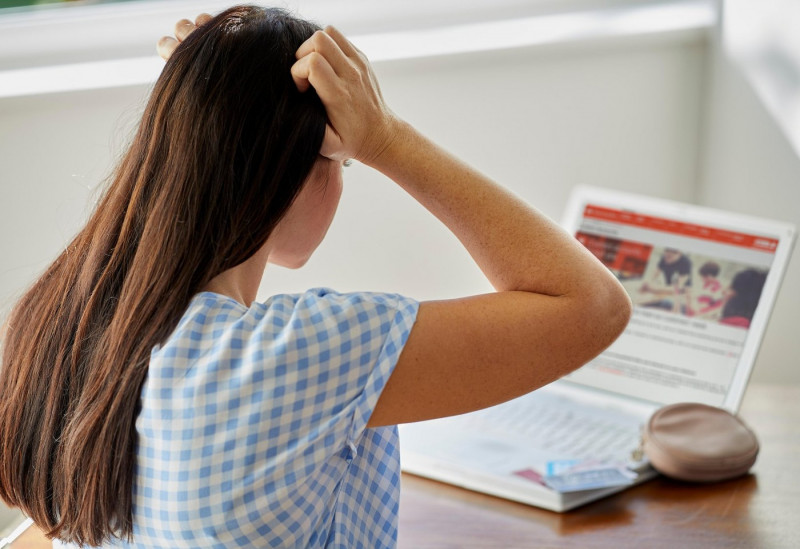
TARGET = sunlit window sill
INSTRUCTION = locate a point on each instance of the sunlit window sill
(672, 20)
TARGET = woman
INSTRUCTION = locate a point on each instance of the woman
(147, 398)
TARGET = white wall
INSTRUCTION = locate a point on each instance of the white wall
(53, 149)
(647, 116)
(539, 121)
(750, 166)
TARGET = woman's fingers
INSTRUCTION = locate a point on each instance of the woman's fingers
(344, 44)
(165, 46)
(358, 120)
(321, 43)
(184, 28)
(313, 69)
(202, 19)
(332, 145)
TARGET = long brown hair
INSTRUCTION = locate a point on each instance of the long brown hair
(225, 143)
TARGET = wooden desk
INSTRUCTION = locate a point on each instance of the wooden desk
(760, 511)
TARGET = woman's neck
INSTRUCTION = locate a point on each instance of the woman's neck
(242, 281)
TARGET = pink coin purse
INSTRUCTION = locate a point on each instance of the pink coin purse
(699, 443)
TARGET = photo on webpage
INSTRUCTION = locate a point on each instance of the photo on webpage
(681, 282)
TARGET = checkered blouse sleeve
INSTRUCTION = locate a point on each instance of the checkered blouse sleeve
(252, 430)
(344, 347)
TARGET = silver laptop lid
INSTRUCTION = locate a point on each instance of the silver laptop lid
(703, 283)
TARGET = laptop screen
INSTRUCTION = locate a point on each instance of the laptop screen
(695, 287)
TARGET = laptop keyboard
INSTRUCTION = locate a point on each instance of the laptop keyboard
(562, 426)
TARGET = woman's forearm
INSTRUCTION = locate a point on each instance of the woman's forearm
(515, 246)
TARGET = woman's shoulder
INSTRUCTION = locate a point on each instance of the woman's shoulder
(213, 317)
(323, 310)
(311, 297)
(337, 301)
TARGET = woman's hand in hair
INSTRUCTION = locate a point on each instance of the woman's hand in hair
(183, 28)
(360, 123)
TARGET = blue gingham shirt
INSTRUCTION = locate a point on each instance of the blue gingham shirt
(252, 431)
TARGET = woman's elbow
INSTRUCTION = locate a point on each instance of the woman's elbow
(620, 307)
(607, 313)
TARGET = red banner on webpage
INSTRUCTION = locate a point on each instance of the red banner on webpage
(753, 242)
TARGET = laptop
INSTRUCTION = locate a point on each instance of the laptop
(703, 283)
